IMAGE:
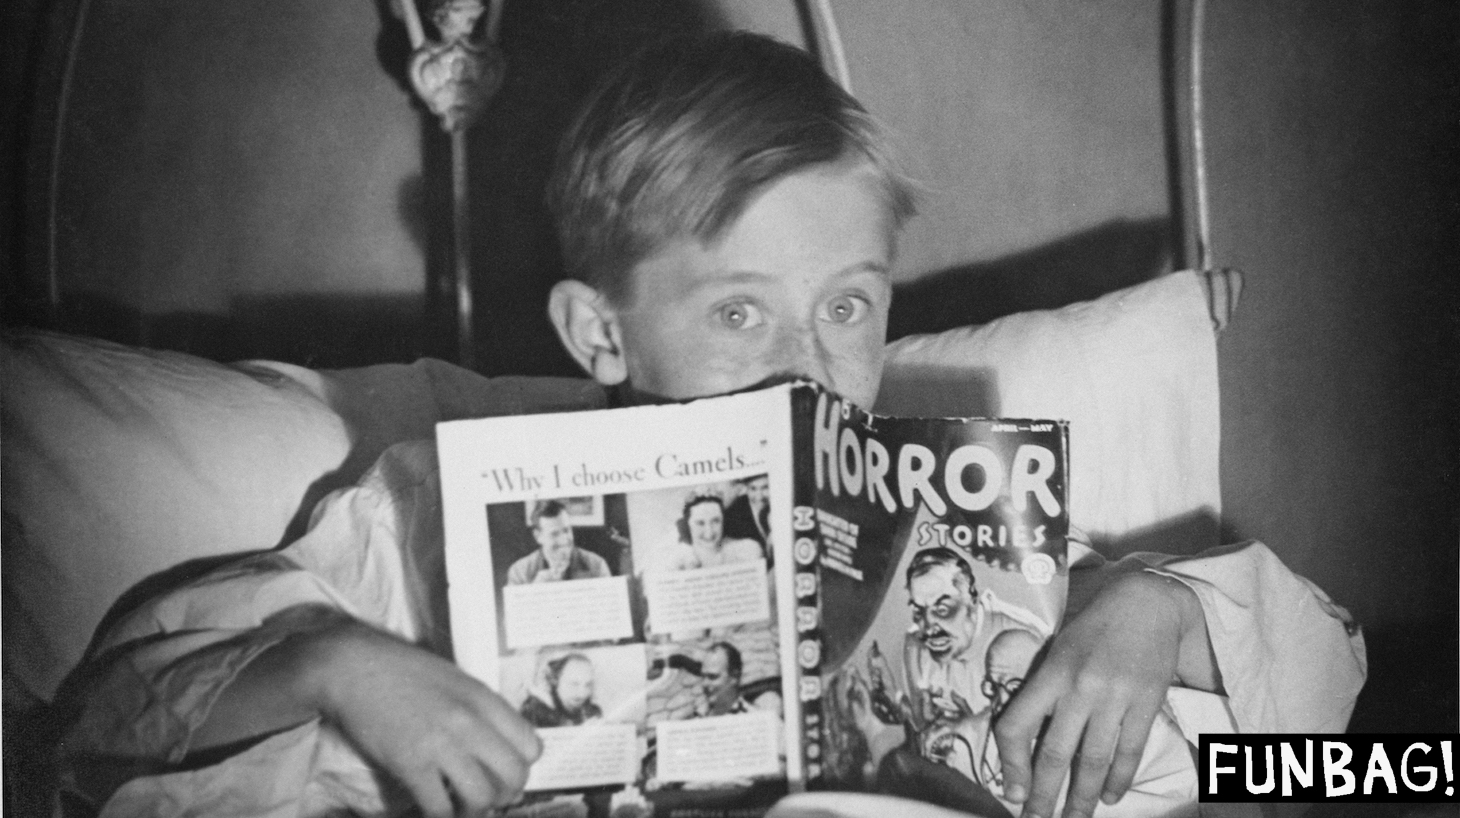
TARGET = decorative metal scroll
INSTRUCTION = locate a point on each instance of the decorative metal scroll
(456, 76)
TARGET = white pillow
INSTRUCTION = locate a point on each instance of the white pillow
(1135, 373)
(118, 463)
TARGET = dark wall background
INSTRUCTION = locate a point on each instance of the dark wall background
(1331, 141)
(251, 180)
(212, 162)
(1332, 137)
(256, 180)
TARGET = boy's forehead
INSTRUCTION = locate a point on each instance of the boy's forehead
(824, 221)
(834, 215)
(798, 285)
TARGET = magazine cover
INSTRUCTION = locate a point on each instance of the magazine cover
(704, 606)
(610, 573)
(941, 572)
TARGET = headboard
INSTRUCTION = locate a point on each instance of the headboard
(301, 204)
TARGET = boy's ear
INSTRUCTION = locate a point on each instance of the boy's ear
(588, 327)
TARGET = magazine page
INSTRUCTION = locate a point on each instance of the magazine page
(610, 574)
(942, 571)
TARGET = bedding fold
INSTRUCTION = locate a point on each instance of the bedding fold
(373, 551)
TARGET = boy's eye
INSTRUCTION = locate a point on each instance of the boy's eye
(846, 309)
(740, 315)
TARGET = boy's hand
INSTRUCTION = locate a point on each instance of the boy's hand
(458, 747)
(1100, 686)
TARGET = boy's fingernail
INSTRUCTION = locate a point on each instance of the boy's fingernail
(1110, 796)
(1015, 793)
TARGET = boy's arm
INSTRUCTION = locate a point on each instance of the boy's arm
(1100, 686)
(197, 693)
(187, 708)
(193, 689)
(419, 717)
(1232, 620)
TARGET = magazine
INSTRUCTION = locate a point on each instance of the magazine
(704, 606)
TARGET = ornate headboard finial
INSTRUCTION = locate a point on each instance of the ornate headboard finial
(457, 75)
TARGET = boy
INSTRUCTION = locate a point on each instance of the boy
(728, 216)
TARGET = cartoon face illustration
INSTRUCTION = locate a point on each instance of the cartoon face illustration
(943, 609)
(1007, 663)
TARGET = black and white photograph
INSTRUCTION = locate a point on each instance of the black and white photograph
(559, 578)
(259, 257)
(696, 527)
(568, 687)
(563, 539)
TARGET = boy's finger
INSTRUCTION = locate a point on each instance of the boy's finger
(1097, 750)
(1014, 733)
(429, 792)
(1135, 730)
(503, 762)
(513, 729)
(1055, 755)
(475, 790)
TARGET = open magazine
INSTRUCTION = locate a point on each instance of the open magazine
(707, 605)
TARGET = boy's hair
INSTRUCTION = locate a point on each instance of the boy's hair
(675, 144)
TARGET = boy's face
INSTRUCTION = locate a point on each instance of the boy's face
(798, 286)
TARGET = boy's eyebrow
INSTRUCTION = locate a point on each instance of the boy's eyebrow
(743, 276)
(869, 266)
